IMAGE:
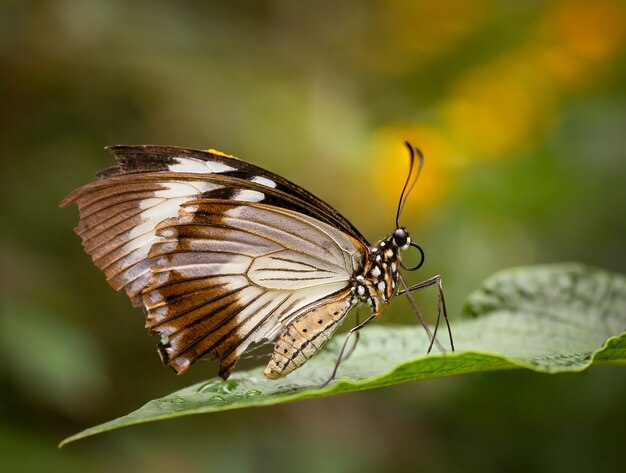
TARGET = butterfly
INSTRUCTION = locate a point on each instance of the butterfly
(222, 254)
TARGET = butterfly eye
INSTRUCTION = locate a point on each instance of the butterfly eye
(401, 238)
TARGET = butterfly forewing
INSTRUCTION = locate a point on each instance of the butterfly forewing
(148, 158)
(220, 253)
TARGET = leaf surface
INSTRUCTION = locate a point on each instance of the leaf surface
(551, 319)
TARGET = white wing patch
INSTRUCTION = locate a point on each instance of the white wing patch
(247, 195)
(197, 166)
(287, 270)
(165, 204)
(264, 181)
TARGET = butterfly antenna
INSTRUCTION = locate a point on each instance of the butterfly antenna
(405, 193)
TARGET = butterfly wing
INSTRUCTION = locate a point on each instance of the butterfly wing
(150, 158)
(226, 275)
(218, 261)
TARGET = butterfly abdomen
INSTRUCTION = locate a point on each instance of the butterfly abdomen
(306, 335)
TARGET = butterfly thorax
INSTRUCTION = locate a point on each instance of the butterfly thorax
(379, 279)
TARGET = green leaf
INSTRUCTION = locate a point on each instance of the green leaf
(551, 319)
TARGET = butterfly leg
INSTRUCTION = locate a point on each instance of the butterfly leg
(345, 343)
(357, 336)
(441, 306)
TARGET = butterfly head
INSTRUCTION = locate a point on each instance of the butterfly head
(401, 238)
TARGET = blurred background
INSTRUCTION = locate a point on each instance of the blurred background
(519, 108)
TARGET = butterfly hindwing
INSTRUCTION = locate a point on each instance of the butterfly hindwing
(227, 275)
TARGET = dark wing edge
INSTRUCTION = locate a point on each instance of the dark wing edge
(155, 158)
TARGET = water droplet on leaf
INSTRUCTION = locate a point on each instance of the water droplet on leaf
(172, 400)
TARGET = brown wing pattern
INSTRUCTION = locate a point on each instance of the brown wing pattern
(227, 275)
(217, 261)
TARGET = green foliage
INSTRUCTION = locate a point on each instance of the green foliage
(550, 319)
(73, 372)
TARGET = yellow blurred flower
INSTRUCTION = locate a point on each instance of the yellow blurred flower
(560, 65)
(497, 109)
(578, 40)
(390, 165)
(510, 103)
(593, 30)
